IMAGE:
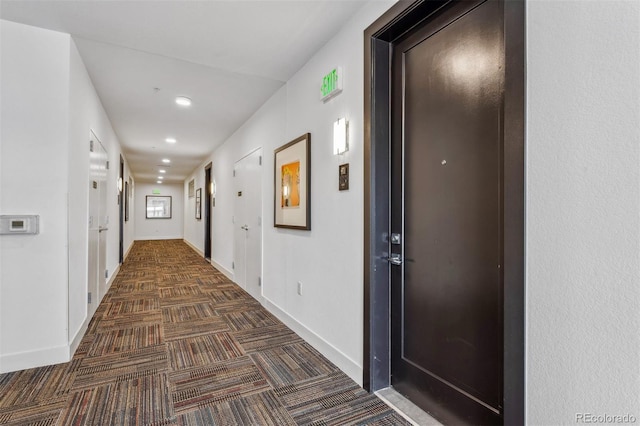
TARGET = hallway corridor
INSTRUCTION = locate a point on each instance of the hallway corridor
(174, 342)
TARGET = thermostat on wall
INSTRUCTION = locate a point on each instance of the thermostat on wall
(19, 224)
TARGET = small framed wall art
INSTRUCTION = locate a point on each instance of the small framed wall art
(126, 201)
(199, 203)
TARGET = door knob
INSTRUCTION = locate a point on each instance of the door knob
(395, 259)
(245, 227)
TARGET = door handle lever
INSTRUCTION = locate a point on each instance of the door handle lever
(102, 229)
(395, 259)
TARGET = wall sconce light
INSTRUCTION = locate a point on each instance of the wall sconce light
(340, 139)
(212, 188)
(119, 184)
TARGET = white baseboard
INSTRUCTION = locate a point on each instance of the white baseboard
(128, 251)
(346, 364)
(196, 249)
(227, 273)
(111, 279)
(33, 359)
(75, 342)
(156, 237)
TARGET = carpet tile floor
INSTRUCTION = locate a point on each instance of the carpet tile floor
(174, 342)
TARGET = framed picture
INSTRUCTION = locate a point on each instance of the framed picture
(199, 204)
(126, 201)
(292, 170)
(158, 207)
(192, 185)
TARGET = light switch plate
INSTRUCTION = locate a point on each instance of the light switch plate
(343, 177)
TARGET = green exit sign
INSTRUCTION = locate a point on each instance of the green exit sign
(331, 84)
(156, 192)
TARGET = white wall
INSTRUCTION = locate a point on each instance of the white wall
(34, 134)
(48, 108)
(194, 228)
(159, 229)
(583, 207)
(328, 260)
(86, 115)
(583, 210)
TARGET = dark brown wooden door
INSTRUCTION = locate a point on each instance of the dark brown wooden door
(447, 308)
(207, 211)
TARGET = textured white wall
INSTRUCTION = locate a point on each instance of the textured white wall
(583, 210)
(328, 260)
(265, 129)
(33, 153)
(48, 108)
(159, 229)
(194, 228)
(87, 114)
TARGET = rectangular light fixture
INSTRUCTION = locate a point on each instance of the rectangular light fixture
(340, 142)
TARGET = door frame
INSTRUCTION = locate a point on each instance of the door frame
(121, 212)
(379, 38)
(208, 178)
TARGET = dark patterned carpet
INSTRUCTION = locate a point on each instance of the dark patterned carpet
(174, 342)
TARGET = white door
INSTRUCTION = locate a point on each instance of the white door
(97, 223)
(248, 223)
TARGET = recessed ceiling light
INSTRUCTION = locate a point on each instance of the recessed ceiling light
(162, 171)
(183, 101)
(160, 177)
(166, 160)
(159, 181)
(170, 140)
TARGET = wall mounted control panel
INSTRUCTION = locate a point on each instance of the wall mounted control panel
(19, 224)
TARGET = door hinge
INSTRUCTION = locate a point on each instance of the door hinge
(89, 297)
(259, 282)
(234, 173)
(107, 165)
(233, 265)
(106, 273)
(90, 146)
(260, 160)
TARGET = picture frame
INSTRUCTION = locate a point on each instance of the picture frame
(199, 203)
(126, 201)
(292, 184)
(158, 207)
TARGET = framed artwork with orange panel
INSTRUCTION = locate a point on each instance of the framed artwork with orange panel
(292, 170)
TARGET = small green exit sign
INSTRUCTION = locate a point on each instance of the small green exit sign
(331, 84)
(156, 192)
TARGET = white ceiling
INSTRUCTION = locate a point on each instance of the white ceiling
(229, 57)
